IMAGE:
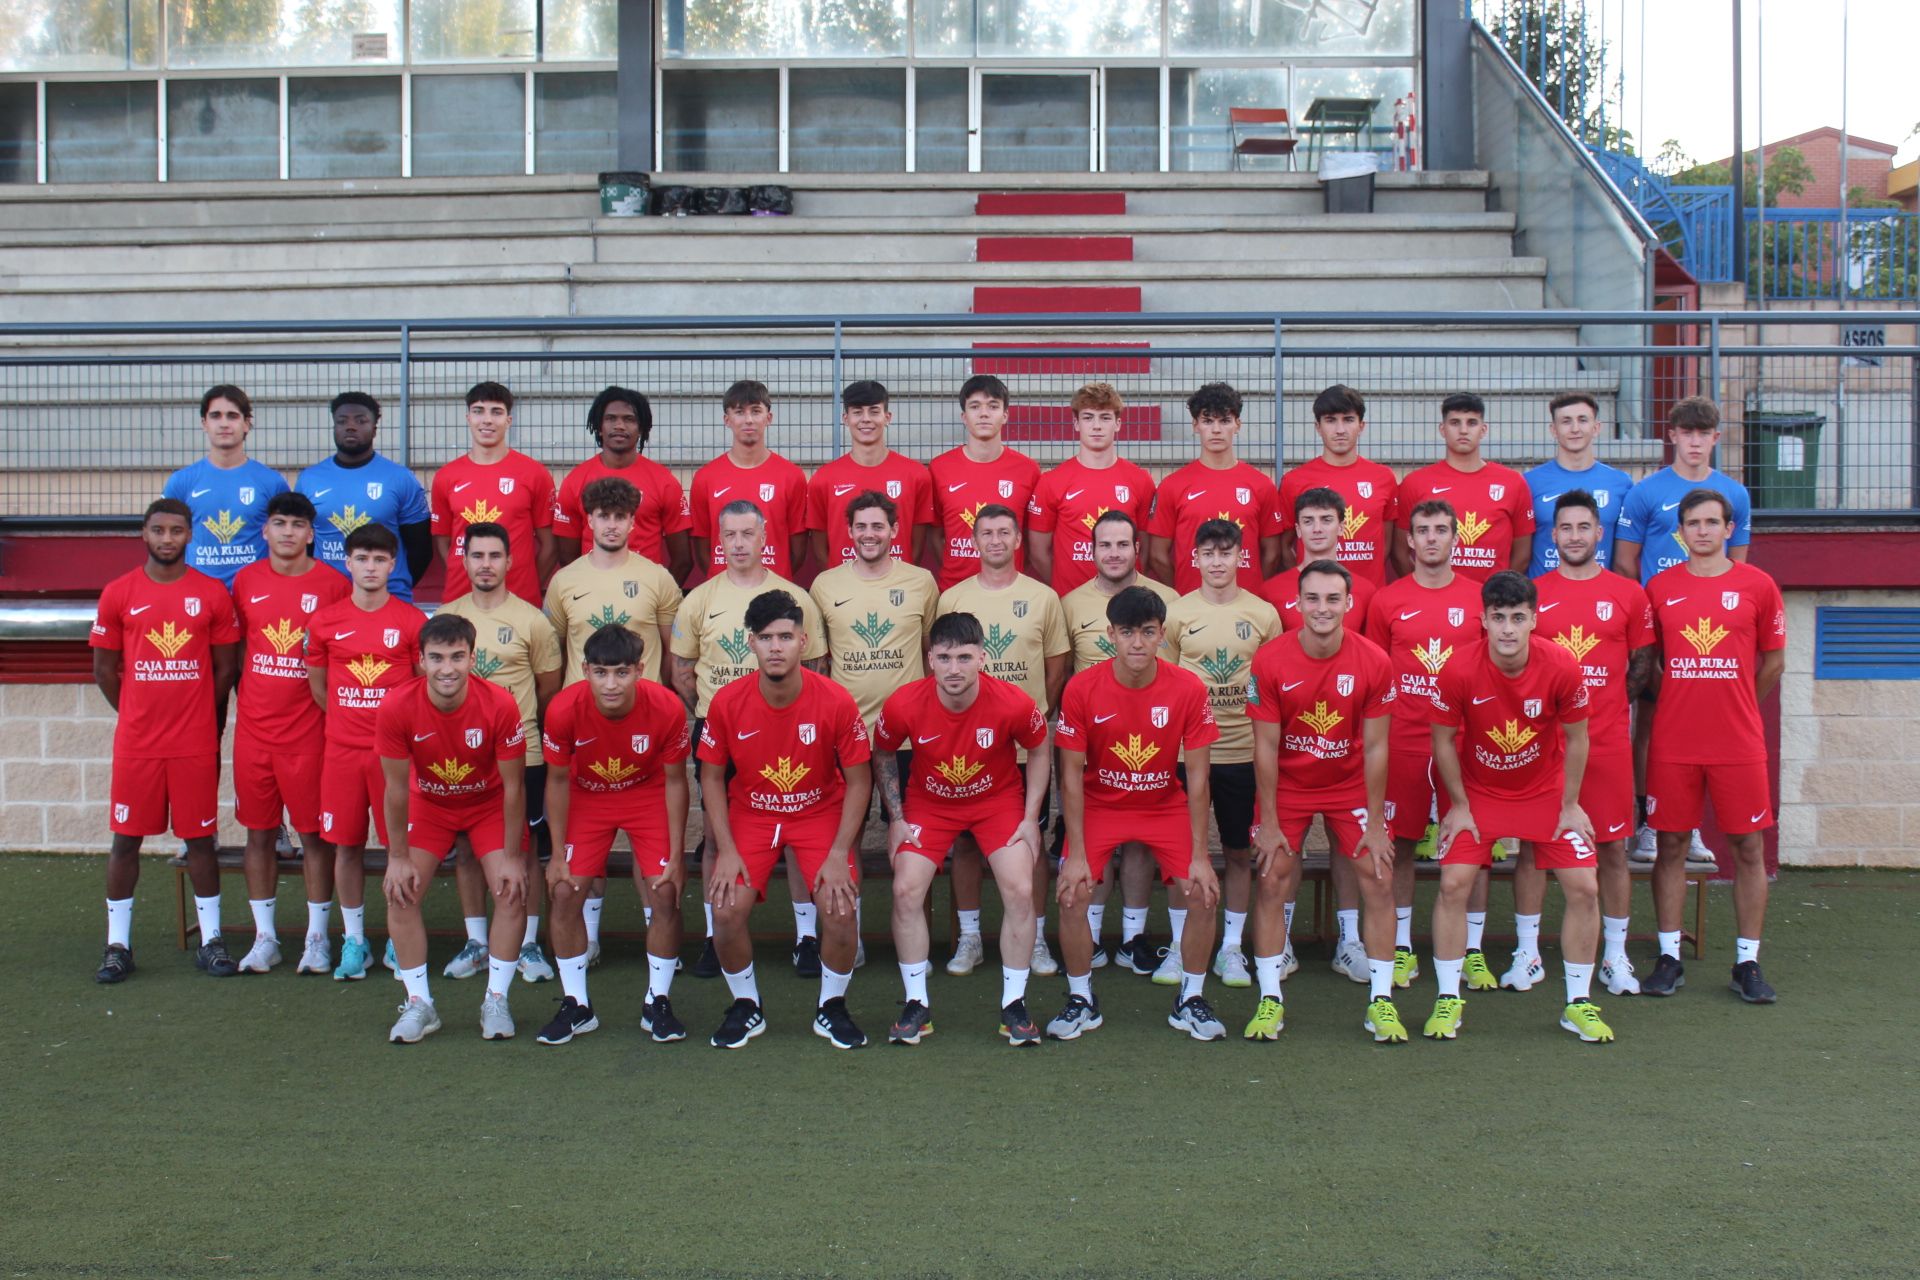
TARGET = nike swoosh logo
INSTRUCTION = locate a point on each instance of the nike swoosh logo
(581, 742)
(1072, 495)
(1759, 817)
(258, 599)
(721, 492)
(1405, 616)
(1582, 853)
(1551, 497)
(577, 599)
(207, 822)
(321, 493)
(1545, 607)
(134, 613)
(1194, 631)
(1668, 506)
(1478, 701)
(744, 736)
(1104, 719)
(712, 616)
(1442, 488)
(1195, 497)
(1617, 826)
(1289, 688)
(955, 488)
(199, 493)
(422, 737)
(924, 741)
(343, 635)
(1088, 626)
(463, 484)
(842, 490)
(1676, 600)
(841, 604)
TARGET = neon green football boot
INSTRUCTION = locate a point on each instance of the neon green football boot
(1268, 1020)
(1406, 967)
(1428, 847)
(1448, 1013)
(1383, 1019)
(1479, 977)
(1582, 1017)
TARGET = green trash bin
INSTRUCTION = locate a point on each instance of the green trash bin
(1783, 460)
(625, 195)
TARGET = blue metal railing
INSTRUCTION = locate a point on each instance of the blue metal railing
(1804, 253)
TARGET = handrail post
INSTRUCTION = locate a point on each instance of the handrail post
(1279, 398)
(833, 398)
(1713, 359)
(400, 433)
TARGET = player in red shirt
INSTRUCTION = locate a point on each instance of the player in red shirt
(1723, 642)
(621, 421)
(1601, 619)
(1080, 490)
(357, 650)
(616, 749)
(278, 733)
(453, 750)
(1500, 713)
(1423, 621)
(798, 754)
(982, 470)
(962, 727)
(1321, 702)
(868, 464)
(750, 470)
(1319, 515)
(165, 656)
(494, 484)
(1368, 490)
(1492, 501)
(1215, 486)
(1123, 725)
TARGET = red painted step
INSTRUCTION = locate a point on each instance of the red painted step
(1049, 204)
(1085, 365)
(1054, 422)
(1054, 249)
(1013, 300)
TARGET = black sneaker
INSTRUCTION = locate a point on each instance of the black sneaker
(1749, 985)
(1140, 956)
(742, 1023)
(1101, 959)
(835, 1025)
(806, 957)
(214, 959)
(1668, 976)
(1078, 1017)
(1016, 1024)
(116, 964)
(708, 965)
(915, 1020)
(657, 1020)
(574, 1019)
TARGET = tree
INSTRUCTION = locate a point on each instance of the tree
(1788, 173)
(1549, 41)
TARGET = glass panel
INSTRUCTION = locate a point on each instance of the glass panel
(79, 35)
(222, 129)
(1068, 28)
(580, 31)
(1317, 28)
(783, 28)
(1133, 120)
(17, 133)
(1032, 124)
(103, 132)
(1342, 95)
(574, 117)
(847, 121)
(942, 29)
(720, 121)
(1198, 100)
(344, 127)
(282, 33)
(940, 119)
(472, 30)
(466, 125)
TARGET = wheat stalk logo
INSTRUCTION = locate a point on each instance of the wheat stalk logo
(1221, 667)
(283, 635)
(1512, 737)
(1356, 520)
(1577, 642)
(1322, 719)
(1135, 754)
(607, 618)
(735, 647)
(967, 517)
(347, 519)
(1432, 656)
(480, 513)
(1105, 646)
(1093, 517)
(450, 771)
(1705, 636)
(366, 668)
(959, 771)
(485, 664)
(613, 771)
(169, 640)
(785, 774)
(1473, 527)
(872, 631)
(998, 641)
(225, 528)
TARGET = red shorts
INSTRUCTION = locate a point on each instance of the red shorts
(1606, 793)
(1532, 821)
(761, 836)
(352, 784)
(1411, 788)
(433, 827)
(268, 780)
(932, 829)
(1345, 827)
(1677, 794)
(1165, 829)
(144, 792)
(593, 820)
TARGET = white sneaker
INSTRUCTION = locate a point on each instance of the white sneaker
(262, 956)
(1043, 964)
(1230, 966)
(317, 955)
(1645, 846)
(967, 955)
(1350, 961)
(1527, 972)
(593, 953)
(1289, 964)
(471, 959)
(533, 965)
(496, 1020)
(418, 1020)
(1171, 969)
(1617, 977)
(1697, 850)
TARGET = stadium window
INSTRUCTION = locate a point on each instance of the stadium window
(574, 118)
(720, 121)
(472, 30)
(579, 30)
(282, 34)
(344, 127)
(1370, 28)
(19, 128)
(80, 35)
(103, 132)
(783, 29)
(469, 125)
(940, 120)
(847, 120)
(223, 130)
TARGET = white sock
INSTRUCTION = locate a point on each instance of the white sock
(477, 929)
(1267, 970)
(590, 912)
(914, 978)
(742, 985)
(354, 921)
(1349, 922)
(1013, 985)
(1670, 943)
(1290, 907)
(500, 974)
(833, 985)
(1081, 986)
(659, 975)
(1235, 930)
(262, 909)
(1526, 931)
(1447, 972)
(1579, 980)
(1379, 979)
(1177, 921)
(646, 918)
(208, 909)
(1613, 929)
(806, 921)
(532, 935)
(120, 922)
(1133, 923)
(1403, 928)
(708, 907)
(416, 983)
(1745, 949)
(970, 922)
(1476, 929)
(319, 919)
(573, 977)
(1096, 917)
(1191, 985)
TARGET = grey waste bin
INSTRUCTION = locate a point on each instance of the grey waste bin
(1347, 179)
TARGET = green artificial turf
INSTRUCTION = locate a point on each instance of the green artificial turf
(262, 1126)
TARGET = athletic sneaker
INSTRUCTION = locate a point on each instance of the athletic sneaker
(1289, 963)
(532, 965)
(213, 958)
(1474, 968)
(418, 1020)
(1101, 957)
(1230, 966)
(1750, 986)
(741, 1023)
(389, 961)
(1383, 1019)
(316, 956)
(1350, 960)
(915, 1020)
(469, 960)
(1043, 964)
(806, 957)
(967, 955)
(1138, 956)
(1427, 848)
(834, 1024)
(1697, 850)
(1668, 976)
(1196, 1017)
(1505, 848)
(573, 1019)
(1171, 967)
(1527, 972)
(116, 964)
(1016, 1024)
(496, 1019)
(1079, 1016)
(658, 1021)
(593, 957)
(261, 956)
(355, 955)
(708, 965)
(1582, 1017)
(1645, 846)
(1617, 977)
(1269, 1019)
(1406, 967)
(1448, 1013)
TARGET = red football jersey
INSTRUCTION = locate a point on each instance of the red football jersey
(1422, 629)
(1493, 505)
(515, 492)
(1322, 706)
(777, 486)
(1369, 489)
(615, 756)
(1282, 591)
(1510, 744)
(961, 757)
(1071, 497)
(842, 480)
(365, 654)
(663, 506)
(1712, 632)
(1599, 621)
(275, 702)
(1132, 738)
(1197, 493)
(786, 762)
(165, 633)
(961, 487)
(455, 754)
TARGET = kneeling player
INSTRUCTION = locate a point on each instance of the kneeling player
(801, 783)
(634, 779)
(461, 740)
(1513, 698)
(963, 726)
(1321, 702)
(1123, 724)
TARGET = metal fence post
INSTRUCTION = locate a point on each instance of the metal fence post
(1713, 359)
(400, 434)
(1279, 398)
(833, 398)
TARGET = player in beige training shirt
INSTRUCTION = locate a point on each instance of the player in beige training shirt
(877, 609)
(612, 585)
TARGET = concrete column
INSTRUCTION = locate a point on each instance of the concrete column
(1446, 84)
(634, 85)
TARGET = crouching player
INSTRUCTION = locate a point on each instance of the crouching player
(461, 740)
(963, 726)
(617, 746)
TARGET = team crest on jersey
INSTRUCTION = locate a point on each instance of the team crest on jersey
(1122, 493)
(193, 606)
(1244, 497)
(475, 737)
(641, 742)
(1243, 629)
(506, 484)
(1019, 608)
(1456, 617)
(1364, 488)
(375, 489)
(632, 589)
(766, 493)
(1728, 600)
(120, 813)
(1496, 491)
(1532, 708)
(807, 734)
(984, 737)
(896, 597)
(1602, 498)
(893, 488)
(1603, 609)
(1344, 684)
(392, 636)
(308, 603)
(505, 635)
(1006, 488)
(1159, 717)
(246, 496)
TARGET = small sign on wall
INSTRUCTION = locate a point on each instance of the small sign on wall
(370, 46)
(1871, 337)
